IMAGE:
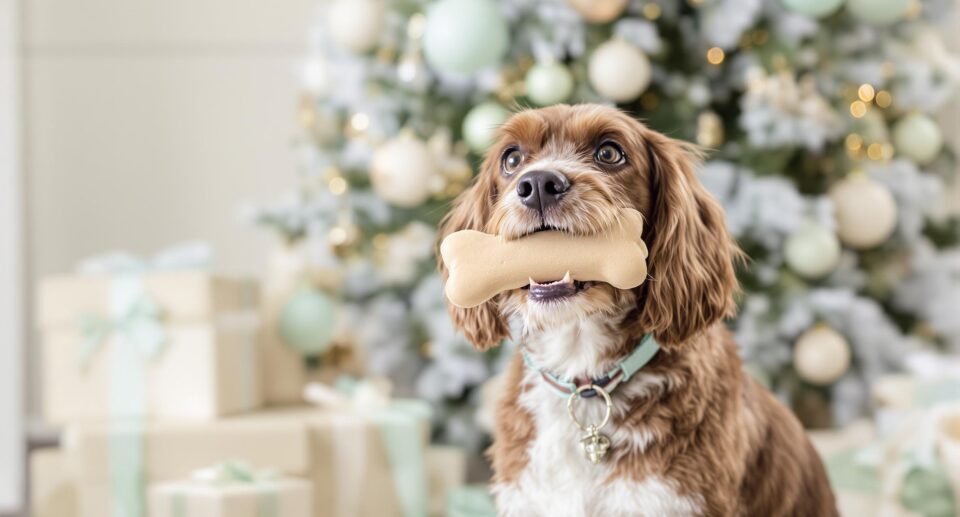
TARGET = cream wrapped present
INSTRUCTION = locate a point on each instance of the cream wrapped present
(113, 462)
(232, 489)
(148, 342)
(367, 451)
(53, 490)
(446, 472)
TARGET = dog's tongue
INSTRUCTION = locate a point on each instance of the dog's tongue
(553, 290)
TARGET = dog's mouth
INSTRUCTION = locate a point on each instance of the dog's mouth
(555, 290)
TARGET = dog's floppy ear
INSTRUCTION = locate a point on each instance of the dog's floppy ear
(483, 325)
(692, 278)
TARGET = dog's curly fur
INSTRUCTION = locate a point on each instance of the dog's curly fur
(692, 434)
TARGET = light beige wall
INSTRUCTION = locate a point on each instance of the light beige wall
(149, 122)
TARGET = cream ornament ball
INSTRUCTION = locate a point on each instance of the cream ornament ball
(917, 137)
(464, 36)
(865, 211)
(356, 25)
(879, 12)
(599, 11)
(549, 83)
(401, 171)
(812, 251)
(481, 123)
(619, 71)
(821, 355)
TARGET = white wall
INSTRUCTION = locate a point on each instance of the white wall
(150, 122)
(11, 254)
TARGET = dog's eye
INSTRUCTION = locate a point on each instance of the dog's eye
(512, 159)
(609, 154)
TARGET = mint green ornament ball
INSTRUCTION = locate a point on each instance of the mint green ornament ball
(917, 137)
(549, 83)
(878, 12)
(308, 321)
(812, 250)
(481, 123)
(464, 36)
(813, 8)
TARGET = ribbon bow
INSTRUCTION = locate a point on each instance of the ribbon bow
(139, 325)
(186, 255)
(365, 395)
(234, 472)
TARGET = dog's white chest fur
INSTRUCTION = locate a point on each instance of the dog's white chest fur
(560, 481)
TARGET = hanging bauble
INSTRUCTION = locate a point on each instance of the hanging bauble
(619, 71)
(709, 129)
(813, 8)
(549, 83)
(481, 123)
(308, 321)
(917, 137)
(821, 355)
(599, 11)
(865, 210)
(356, 25)
(401, 170)
(812, 250)
(464, 36)
(879, 12)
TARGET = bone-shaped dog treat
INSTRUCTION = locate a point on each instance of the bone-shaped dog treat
(481, 265)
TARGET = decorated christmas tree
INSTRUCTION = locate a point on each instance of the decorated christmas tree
(819, 121)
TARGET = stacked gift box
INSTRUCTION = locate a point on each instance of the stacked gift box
(157, 380)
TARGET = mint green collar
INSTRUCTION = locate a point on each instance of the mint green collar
(642, 354)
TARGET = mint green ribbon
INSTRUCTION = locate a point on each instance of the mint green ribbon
(232, 472)
(402, 435)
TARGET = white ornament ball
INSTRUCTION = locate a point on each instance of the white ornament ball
(401, 170)
(619, 71)
(481, 123)
(879, 12)
(356, 25)
(549, 83)
(812, 251)
(464, 36)
(865, 211)
(813, 8)
(917, 137)
(599, 11)
(821, 355)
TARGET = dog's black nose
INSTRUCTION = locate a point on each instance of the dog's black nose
(542, 189)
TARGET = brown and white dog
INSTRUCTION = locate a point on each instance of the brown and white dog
(690, 434)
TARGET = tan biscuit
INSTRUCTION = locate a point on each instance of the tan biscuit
(481, 265)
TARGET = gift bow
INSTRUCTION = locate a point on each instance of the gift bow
(139, 325)
(364, 396)
(186, 255)
(135, 317)
(234, 472)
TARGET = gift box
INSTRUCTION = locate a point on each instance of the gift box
(232, 489)
(362, 443)
(53, 490)
(446, 472)
(164, 344)
(113, 462)
(354, 455)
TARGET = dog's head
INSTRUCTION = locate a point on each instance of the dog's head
(571, 168)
